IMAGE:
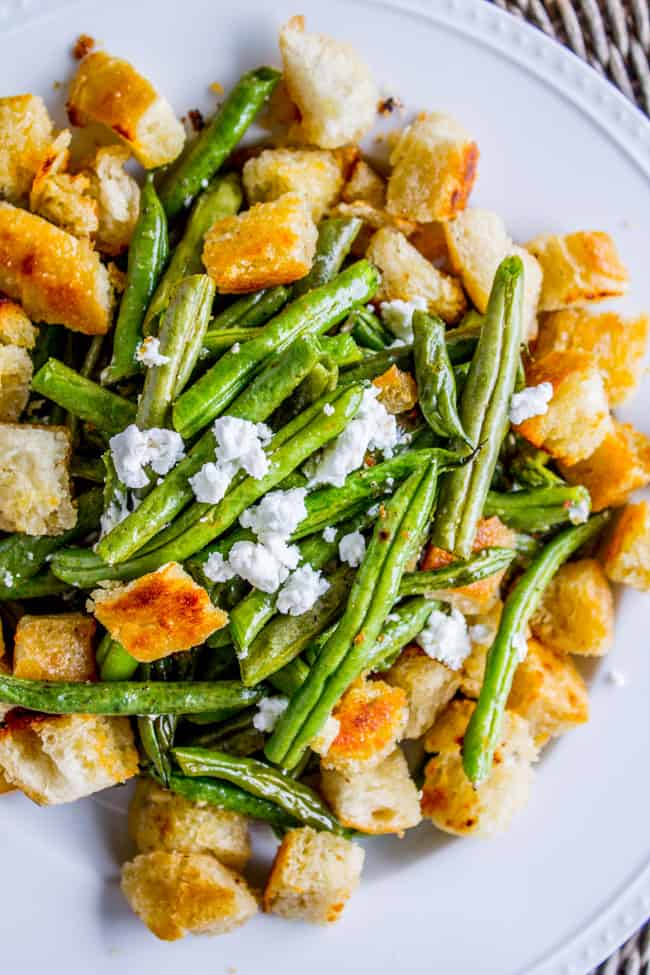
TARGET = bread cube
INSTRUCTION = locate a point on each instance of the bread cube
(428, 686)
(110, 91)
(25, 137)
(330, 84)
(34, 482)
(313, 876)
(364, 185)
(576, 611)
(160, 613)
(57, 647)
(408, 275)
(117, 197)
(617, 345)
(15, 377)
(620, 465)
(482, 630)
(434, 168)
(626, 550)
(161, 820)
(377, 800)
(450, 800)
(272, 243)
(64, 758)
(15, 326)
(578, 268)
(372, 717)
(186, 893)
(549, 692)
(430, 240)
(59, 196)
(314, 174)
(398, 390)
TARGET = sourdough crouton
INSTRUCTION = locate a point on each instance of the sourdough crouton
(25, 137)
(626, 550)
(59, 196)
(313, 875)
(576, 611)
(398, 391)
(272, 243)
(408, 275)
(110, 91)
(616, 344)
(117, 196)
(449, 799)
(15, 377)
(186, 893)
(482, 630)
(330, 84)
(371, 717)
(34, 482)
(434, 167)
(57, 278)
(61, 759)
(620, 465)
(578, 268)
(161, 820)
(577, 418)
(549, 692)
(378, 800)
(15, 326)
(160, 613)
(312, 173)
(364, 185)
(430, 240)
(57, 647)
(428, 686)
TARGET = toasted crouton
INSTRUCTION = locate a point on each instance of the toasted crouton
(373, 219)
(25, 137)
(57, 647)
(15, 326)
(110, 91)
(578, 268)
(313, 875)
(61, 759)
(272, 243)
(330, 84)
(57, 278)
(159, 613)
(34, 482)
(15, 377)
(430, 240)
(408, 275)
(398, 390)
(576, 612)
(428, 686)
(161, 820)
(482, 630)
(434, 167)
(549, 692)
(449, 799)
(59, 196)
(626, 550)
(615, 343)
(365, 185)
(371, 717)
(379, 800)
(312, 173)
(186, 893)
(620, 465)
(117, 196)
(577, 419)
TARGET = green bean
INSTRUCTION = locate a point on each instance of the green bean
(368, 330)
(209, 151)
(341, 348)
(335, 238)
(503, 657)
(404, 622)
(148, 253)
(215, 343)
(43, 584)
(277, 381)
(157, 733)
(529, 466)
(435, 377)
(462, 341)
(288, 679)
(113, 661)
(227, 796)
(252, 310)
(236, 736)
(50, 344)
(540, 509)
(378, 363)
(321, 380)
(458, 574)
(82, 397)
(87, 469)
(87, 369)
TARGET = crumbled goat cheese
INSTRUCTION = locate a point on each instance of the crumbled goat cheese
(133, 450)
(398, 317)
(531, 401)
(374, 510)
(278, 514)
(328, 409)
(235, 347)
(216, 569)
(241, 442)
(329, 534)
(7, 579)
(579, 513)
(323, 741)
(520, 644)
(616, 678)
(445, 638)
(480, 633)
(256, 564)
(211, 482)
(352, 549)
(301, 590)
(269, 710)
(120, 507)
(392, 618)
(149, 354)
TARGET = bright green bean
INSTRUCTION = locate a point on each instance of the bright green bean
(540, 509)
(82, 397)
(227, 796)
(113, 661)
(435, 377)
(458, 574)
(335, 238)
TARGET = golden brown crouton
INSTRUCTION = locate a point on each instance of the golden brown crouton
(430, 240)
(408, 275)
(549, 692)
(578, 268)
(576, 612)
(372, 717)
(57, 647)
(398, 390)
(59, 196)
(616, 344)
(15, 326)
(434, 167)
(186, 893)
(15, 377)
(626, 550)
(449, 799)
(110, 91)
(482, 630)
(60, 759)
(428, 686)
(577, 419)
(620, 465)
(34, 482)
(330, 84)
(373, 219)
(313, 875)
(378, 800)
(312, 173)
(57, 278)
(364, 185)
(159, 613)
(117, 196)
(25, 137)
(272, 243)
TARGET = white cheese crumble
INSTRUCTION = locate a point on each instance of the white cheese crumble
(120, 507)
(531, 401)
(240, 442)
(520, 644)
(133, 450)
(278, 514)
(7, 579)
(149, 354)
(616, 678)
(211, 482)
(323, 741)
(445, 638)
(329, 534)
(398, 317)
(328, 409)
(480, 633)
(301, 590)
(269, 710)
(216, 569)
(352, 549)
(256, 564)
(579, 513)
(235, 347)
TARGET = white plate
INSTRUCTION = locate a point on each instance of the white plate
(560, 150)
